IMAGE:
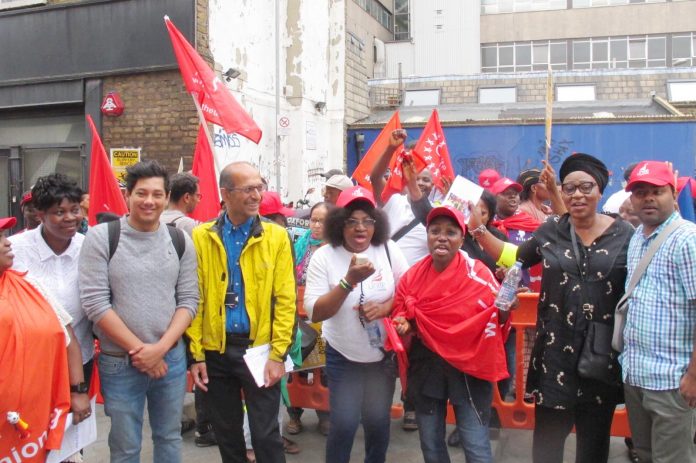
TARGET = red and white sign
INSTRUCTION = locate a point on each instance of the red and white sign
(112, 105)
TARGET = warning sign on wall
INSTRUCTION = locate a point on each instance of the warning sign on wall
(122, 158)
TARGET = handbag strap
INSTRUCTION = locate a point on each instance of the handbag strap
(645, 261)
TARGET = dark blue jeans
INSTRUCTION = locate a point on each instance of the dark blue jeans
(472, 426)
(358, 391)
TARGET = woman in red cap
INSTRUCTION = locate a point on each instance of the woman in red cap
(350, 286)
(446, 301)
(37, 368)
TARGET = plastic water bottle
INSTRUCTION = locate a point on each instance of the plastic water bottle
(374, 333)
(508, 290)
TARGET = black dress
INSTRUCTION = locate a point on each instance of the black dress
(561, 323)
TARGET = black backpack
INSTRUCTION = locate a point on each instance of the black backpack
(114, 231)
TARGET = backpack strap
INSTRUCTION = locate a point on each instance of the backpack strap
(114, 232)
(405, 229)
(178, 239)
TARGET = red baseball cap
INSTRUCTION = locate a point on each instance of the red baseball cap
(7, 222)
(271, 204)
(356, 193)
(656, 173)
(503, 184)
(447, 211)
(681, 183)
(488, 177)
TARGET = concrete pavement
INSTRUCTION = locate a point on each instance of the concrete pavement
(513, 446)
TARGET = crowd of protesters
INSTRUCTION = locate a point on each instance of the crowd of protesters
(164, 294)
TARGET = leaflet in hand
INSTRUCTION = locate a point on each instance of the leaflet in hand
(256, 358)
(463, 190)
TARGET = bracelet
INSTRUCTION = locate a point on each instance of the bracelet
(343, 283)
(478, 231)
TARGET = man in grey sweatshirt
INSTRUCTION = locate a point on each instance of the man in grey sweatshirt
(141, 299)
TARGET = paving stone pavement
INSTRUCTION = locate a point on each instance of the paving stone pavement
(512, 446)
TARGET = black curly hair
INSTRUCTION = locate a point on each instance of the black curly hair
(52, 189)
(336, 221)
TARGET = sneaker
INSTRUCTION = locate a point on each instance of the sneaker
(453, 439)
(324, 426)
(205, 439)
(294, 426)
(290, 447)
(409, 423)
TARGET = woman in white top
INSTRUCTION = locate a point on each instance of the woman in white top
(350, 287)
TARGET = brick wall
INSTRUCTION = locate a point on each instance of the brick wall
(160, 116)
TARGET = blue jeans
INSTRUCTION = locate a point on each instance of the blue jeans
(125, 389)
(472, 428)
(358, 391)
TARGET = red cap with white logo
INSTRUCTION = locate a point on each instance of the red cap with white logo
(657, 173)
(356, 193)
(503, 184)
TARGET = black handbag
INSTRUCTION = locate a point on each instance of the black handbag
(597, 360)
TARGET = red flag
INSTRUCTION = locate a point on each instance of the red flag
(361, 174)
(396, 182)
(204, 169)
(104, 192)
(431, 152)
(216, 101)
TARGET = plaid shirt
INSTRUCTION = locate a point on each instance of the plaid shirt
(661, 317)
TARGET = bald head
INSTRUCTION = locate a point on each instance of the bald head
(241, 188)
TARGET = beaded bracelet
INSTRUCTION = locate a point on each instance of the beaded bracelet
(478, 231)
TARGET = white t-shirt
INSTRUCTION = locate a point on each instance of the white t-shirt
(413, 244)
(58, 275)
(344, 331)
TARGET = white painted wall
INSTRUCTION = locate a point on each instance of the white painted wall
(445, 40)
(242, 36)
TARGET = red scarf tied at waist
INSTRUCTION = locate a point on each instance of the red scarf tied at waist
(455, 315)
(34, 364)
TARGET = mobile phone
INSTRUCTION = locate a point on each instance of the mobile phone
(361, 259)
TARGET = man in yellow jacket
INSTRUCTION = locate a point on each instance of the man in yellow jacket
(247, 298)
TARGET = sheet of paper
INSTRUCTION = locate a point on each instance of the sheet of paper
(76, 437)
(256, 358)
(463, 190)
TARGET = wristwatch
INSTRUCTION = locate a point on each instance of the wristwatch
(80, 388)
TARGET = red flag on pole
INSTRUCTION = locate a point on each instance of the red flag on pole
(203, 168)
(104, 193)
(431, 152)
(361, 174)
(216, 101)
(396, 182)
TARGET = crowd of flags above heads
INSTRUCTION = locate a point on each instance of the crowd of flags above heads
(216, 104)
(430, 152)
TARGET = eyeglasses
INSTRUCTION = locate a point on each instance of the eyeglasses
(247, 190)
(584, 187)
(367, 223)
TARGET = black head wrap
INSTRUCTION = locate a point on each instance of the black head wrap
(586, 163)
(528, 177)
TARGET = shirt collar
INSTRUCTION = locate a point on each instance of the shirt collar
(661, 227)
(45, 251)
(229, 227)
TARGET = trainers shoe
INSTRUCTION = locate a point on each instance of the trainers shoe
(187, 424)
(324, 426)
(205, 439)
(294, 426)
(409, 423)
(290, 447)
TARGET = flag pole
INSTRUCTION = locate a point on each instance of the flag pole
(203, 122)
(549, 108)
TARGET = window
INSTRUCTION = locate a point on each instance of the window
(377, 11)
(422, 97)
(575, 93)
(594, 3)
(682, 91)
(516, 6)
(401, 20)
(498, 95)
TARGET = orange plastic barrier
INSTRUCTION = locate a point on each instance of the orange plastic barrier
(306, 394)
(518, 413)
